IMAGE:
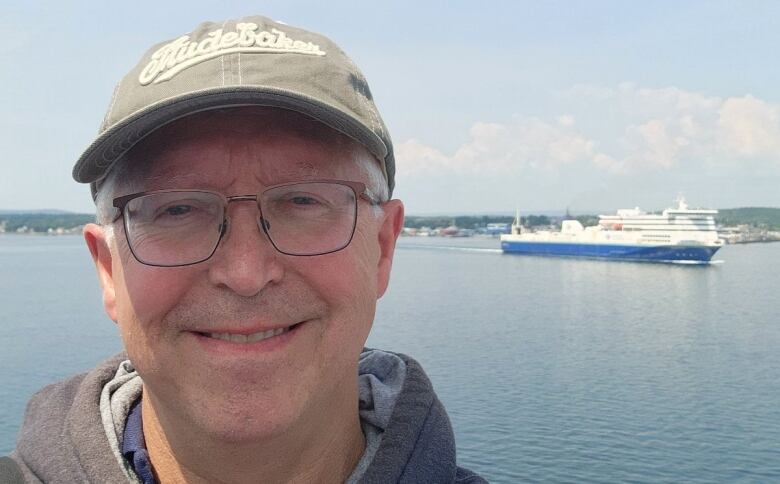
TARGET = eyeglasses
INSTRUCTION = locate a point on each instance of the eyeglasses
(171, 228)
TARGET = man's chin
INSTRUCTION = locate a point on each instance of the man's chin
(236, 424)
(236, 405)
(249, 434)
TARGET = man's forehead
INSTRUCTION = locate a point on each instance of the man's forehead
(167, 174)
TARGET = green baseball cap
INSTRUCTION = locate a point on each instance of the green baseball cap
(253, 61)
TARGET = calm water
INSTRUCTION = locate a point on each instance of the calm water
(552, 370)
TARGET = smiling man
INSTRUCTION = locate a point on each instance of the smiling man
(245, 231)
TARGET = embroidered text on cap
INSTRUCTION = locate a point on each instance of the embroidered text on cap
(180, 54)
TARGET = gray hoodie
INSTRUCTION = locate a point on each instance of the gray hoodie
(72, 429)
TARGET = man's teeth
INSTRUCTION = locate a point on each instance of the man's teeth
(247, 338)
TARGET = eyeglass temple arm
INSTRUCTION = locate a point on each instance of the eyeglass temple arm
(119, 205)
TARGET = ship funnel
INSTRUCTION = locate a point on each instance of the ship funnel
(517, 227)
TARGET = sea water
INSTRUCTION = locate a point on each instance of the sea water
(551, 369)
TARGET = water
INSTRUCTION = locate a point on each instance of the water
(52, 324)
(554, 370)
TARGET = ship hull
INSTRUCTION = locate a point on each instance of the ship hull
(655, 253)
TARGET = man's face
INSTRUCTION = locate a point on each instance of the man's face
(326, 303)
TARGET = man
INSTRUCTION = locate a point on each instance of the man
(242, 178)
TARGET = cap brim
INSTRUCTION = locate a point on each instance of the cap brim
(98, 158)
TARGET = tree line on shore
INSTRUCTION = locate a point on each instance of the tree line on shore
(764, 217)
(481, 221)
(42, 222)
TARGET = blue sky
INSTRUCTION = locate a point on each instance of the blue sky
(492, 105)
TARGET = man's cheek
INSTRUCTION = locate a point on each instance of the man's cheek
(151, 292)
(339, 276)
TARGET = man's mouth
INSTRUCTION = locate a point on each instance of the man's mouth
(249, 338)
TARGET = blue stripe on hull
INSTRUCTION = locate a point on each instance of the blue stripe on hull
(658, 253)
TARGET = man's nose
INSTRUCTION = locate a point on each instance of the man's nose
(245, 261)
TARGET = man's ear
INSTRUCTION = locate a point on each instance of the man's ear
(97, 241)
(391, 226)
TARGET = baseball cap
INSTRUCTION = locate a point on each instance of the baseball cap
(252, 61)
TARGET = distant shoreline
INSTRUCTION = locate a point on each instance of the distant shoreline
(736, 225)
(78, 234)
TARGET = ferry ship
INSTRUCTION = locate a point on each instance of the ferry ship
(680, 235)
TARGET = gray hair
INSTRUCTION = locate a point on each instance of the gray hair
(121, 179)
(376, 182)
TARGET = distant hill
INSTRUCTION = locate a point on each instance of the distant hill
(767, 217)
(44, 211)
(755, 216)
(42, 221)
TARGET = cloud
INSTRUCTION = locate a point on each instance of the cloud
(414, 157)
(657, 146)
(749, 127)
(523, 144)
(622, 130)
(565, 120)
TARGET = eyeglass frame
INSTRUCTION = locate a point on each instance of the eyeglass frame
(358, 188)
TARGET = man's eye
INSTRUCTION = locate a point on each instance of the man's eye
(302, 200)
(175, 210)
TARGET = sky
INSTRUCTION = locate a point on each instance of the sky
(492, 106)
